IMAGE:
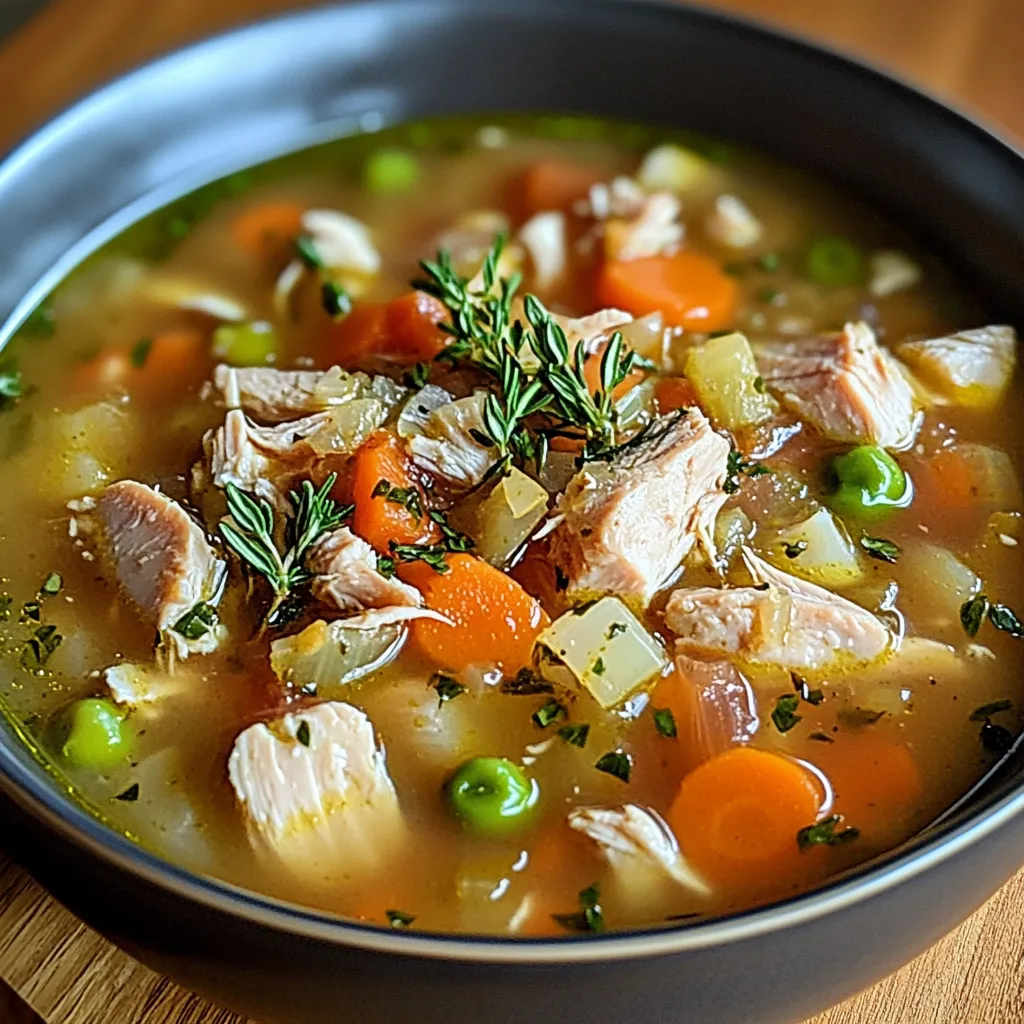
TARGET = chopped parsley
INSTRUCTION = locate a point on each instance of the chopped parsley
(335, 299)
(996, 739)
(196, 622)
(617, 763)
(590, 917)
(882, 549)
(821, 737)
(784, 713)
(1004, 619)
(451, 538)
(615, 629)
(759, 385)
(975, 610)
(52, 584)
(399, 918)
(665, 723)
(525, 684)
(857, 718)
(130, 795)
(11, 387)
(795, 549)
(806, 693)
(418, 376)
(447, 687)
(548, 713)
(386, 566)
(407, 497)
(988, 710)
(140, 352)
(31, 611)
(737, 465)
(972, 614)
(302, 733)
(575, 734)
(598, 668)
(39, 647)
(434, 555)
(824, 834)
(307, 251)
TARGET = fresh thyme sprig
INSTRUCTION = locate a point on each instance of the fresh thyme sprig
(520, 398)
(481, 319)
(250, 530)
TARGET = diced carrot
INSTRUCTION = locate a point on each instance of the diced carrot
(376, 519)
(737, 816)
(555, 185)
(411, 331)
(494, 621)
(965, 478)
(155, 370)
(557, 863)
(691, 291)
(350, 341)
(671, 393)
(265, 231)
(592, 373)
(875, 780)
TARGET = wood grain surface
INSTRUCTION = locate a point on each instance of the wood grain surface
(967, 50)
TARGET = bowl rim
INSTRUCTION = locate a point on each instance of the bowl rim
(31, 791)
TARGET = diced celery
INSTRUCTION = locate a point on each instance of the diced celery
(724, 374)
(605, 648)
(391, 170)
(819, 549)
(253, 344)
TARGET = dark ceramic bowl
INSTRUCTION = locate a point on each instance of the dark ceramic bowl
(279, 86)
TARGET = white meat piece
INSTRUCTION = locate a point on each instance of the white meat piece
(275, 396)
(630, 522)
(316, 793)
(731, 223)
(640, 848)
(971, 368)
(446, 448)
(341, 241)
(891, 271)
(654, 230)
(845, 385)
(781, 621)
(141, 686)
(345, 575)
(543, 237)
(160, 558)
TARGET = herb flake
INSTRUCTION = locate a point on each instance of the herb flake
(784, 713)
(665, 723)
(130, 795)
(140, 352)
(882, 549)
(548, 713)
(447, 687)
(197, 622)
(617, 763)
(824, 834)
(590, 917)
(399, 918)
(575, 734)
(302, 733)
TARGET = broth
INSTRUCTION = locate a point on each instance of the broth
(114, 381)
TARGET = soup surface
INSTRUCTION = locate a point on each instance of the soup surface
(651, 556)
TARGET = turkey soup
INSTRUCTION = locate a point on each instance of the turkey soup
(526, 527)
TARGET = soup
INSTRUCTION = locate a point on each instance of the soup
(650, 557)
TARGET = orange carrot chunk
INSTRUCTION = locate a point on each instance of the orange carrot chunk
(494, 621)
(266, 231)
(672, 393)
(737, 816)
(555, 185)
(350, 341)
(692, 291)
(592, 373)
(377, 519)
(412, 331)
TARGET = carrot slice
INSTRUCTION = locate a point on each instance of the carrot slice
(376, 519)
(264, 231)
(671, 393)
(348, 342)
(494, 621)
(412, 329)
(737, 815)
(692, 291)
(555, 185)
(156, 369)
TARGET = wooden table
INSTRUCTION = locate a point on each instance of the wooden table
(965, 49)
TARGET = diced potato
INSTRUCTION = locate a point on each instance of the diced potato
(646, 336)
(605, 648)
(819, 549)
(725, 376)
(507, 516)
(636, 407)
(942, 583)
(673, 168)
(85, 449)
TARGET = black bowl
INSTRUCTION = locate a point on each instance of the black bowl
(279, 86)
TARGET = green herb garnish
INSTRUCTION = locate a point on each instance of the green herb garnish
(302, 733)
(196, 622)
(795, 549)
(335, 299)
(386, 566)
(548, 713)
(447, 687)
(598, 668)
(525, 684)
(996, 739)
(1004, 619)
(11, 387)
(418, 376)
(972, 614)
(39, 647)
(665, 723)
(407, 497)
(130, 795)
(784, 713)
(451, 538)
(737, 465)
(975, 610)
(824, 834)
(615, 629)
(857, 718)
(434, 555)
(617, 763)
(575, 734)
(52, 584)
(590, 917)
(399, 918)
(307, 251)
(140, 352)
(821, 737)
(882, 549)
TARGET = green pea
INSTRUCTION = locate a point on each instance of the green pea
(868, 483)
(95, 735)
(245, 344)
(835, 261)
(391, 170)
(492, 795)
